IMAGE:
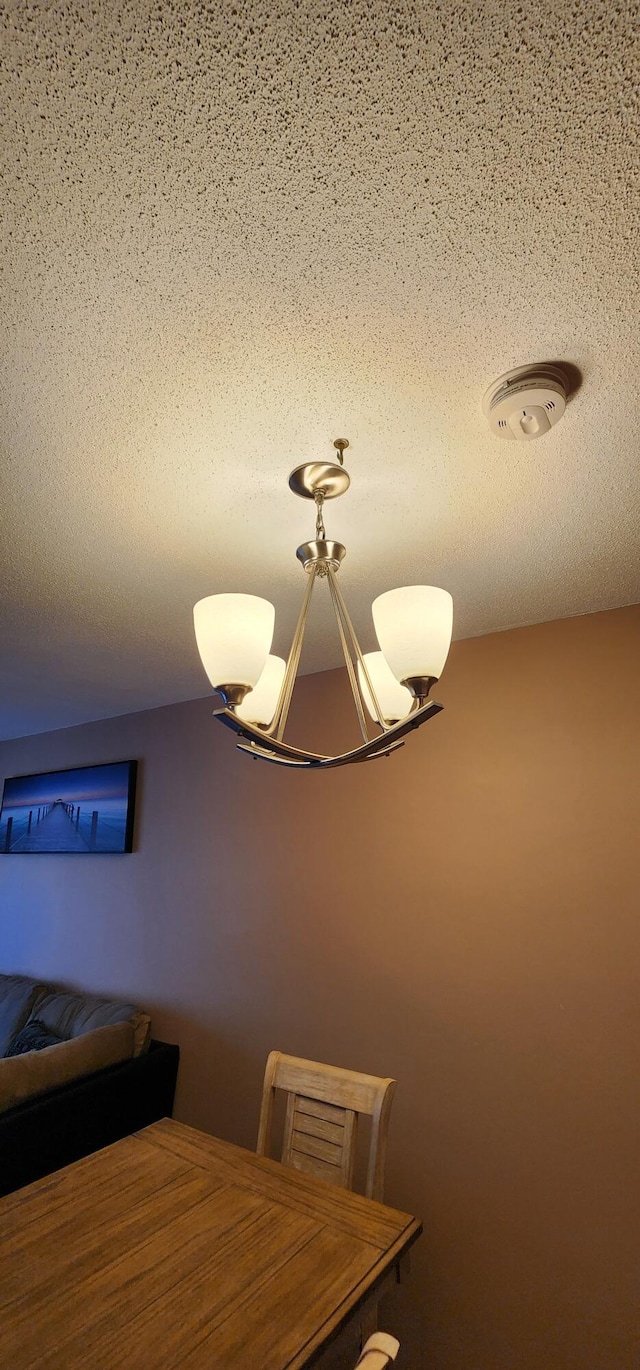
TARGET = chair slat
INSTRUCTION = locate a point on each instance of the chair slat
(312, 1165)
(315, 1146)
(316, 1109)
(317, 1127)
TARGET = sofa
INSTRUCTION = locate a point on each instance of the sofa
(76, 1073)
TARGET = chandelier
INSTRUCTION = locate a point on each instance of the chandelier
(413, 625)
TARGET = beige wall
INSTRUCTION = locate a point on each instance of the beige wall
(464, 916)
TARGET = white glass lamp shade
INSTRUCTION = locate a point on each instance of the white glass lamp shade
(395, 700)
(259, 705)
(234, 634)
(413, 626)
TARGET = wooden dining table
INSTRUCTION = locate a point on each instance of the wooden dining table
(171, 1248)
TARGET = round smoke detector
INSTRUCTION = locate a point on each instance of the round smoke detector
(526, 402)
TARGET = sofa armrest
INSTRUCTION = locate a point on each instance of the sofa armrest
(56, 1128)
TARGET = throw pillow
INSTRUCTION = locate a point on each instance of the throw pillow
(33, 1037)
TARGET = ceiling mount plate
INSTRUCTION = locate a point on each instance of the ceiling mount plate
(526, 402)
(319, 477)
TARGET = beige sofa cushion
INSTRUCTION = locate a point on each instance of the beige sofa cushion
(70, 1014)
(36, 1071)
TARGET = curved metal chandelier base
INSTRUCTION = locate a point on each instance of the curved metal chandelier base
(266, 748)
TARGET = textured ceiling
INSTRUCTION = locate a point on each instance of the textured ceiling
(232, 233)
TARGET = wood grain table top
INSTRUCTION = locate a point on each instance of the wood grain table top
(174, 1249)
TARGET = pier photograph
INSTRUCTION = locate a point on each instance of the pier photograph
(89, 809)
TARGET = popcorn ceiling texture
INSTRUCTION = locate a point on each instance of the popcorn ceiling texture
(232, 233)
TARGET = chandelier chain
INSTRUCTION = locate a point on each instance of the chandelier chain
(321, 531)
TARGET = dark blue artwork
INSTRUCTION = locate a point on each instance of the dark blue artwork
(85, 810)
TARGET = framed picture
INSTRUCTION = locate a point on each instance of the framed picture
(89, 809)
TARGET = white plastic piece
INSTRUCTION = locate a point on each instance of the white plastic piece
(234, 634)
(378, 1351)
(526, 403)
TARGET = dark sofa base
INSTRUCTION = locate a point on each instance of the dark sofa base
(56, 1128)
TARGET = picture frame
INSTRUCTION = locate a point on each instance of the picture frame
(83, 810)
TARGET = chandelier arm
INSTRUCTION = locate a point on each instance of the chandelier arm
(327, 763)
(254, 741)
(279, 721)
(284, 703)
(353, 679)
(356, 645)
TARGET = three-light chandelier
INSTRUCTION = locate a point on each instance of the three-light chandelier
(413, 626)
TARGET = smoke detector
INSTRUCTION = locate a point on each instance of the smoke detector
(526, 402)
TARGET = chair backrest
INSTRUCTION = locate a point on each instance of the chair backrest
(378, 1351)
(321, 1119)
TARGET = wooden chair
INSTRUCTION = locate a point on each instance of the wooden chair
(378, 1351)
(321, 1119)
